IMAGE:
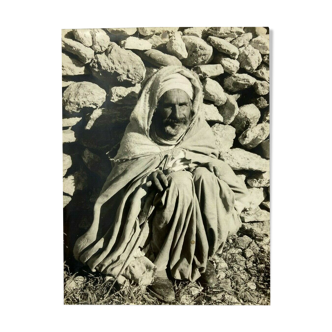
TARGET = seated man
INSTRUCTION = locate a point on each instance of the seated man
(169, 204)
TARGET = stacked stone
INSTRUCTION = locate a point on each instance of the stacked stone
(103, 72)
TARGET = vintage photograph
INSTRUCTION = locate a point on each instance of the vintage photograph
(166, 166)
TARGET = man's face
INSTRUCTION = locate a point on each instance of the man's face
(173, 114)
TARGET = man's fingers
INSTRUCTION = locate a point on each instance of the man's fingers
(163, 179)
(156, 182)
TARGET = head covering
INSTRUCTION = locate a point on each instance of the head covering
(167, 78)
(176, 81)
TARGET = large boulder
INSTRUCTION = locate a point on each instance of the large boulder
(68, 136)
(227, 32)
(83, 95)
(259, 180)
(100, 40)
(211, 113)
(247, 117)
(231, 66)
(153, 31)
(176, 46)
(223, 46)
(265, 149)
(85, 54)
(72, 67)
(134, 43)
(238, 82)
(262, 88)
(242, 40)
(262, 72)
(214, 92)
(67, 162)
(258, 215)
(197, 32)
(199, 52)
(229, 110)
(118, 65)
(249, 58)
(255, 197)
(160, 59)
(240, 159)
(83, 36)
(262, 44)
(123, 95)
(224, 135)
(254, 136)
(204, 71)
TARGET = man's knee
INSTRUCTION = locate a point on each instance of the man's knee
(202, 173)
(182, 181)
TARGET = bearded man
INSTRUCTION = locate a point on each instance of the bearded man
(169, 204)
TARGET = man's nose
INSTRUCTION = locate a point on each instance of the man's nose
(176, 111)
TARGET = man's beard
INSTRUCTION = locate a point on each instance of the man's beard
(175, 127)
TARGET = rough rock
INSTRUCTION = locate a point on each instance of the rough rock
(204, 71)
(262, 88)
(265, 149)
(95, 163)
(72, 67)
(223, 46)
(262, 72)
(266, 205)
(68, 136)
(228, 32)
(254, 136)
(255, 197)
(176, 46)
(197, 32)
(67, 162)
(256, 31)
(224, 135)
(122, 95)
(240, 260)
(247, 117)
(262, 44)
(259, 180)
(239, 159)
(243, 242)
(158, 40)
(69, 122)
(119, 65)
(66, 82)
(251, 285)
(231, 66)
(261, 102)
(242, 40)
(229, 110)
(66, 200)
(266, 59)
(248, 253)
(211, 113)
(266, 116)
(85, 54)
(213, 91)
(160, 59)
(83, 94)
(69, 185)
(199, 52)
(83, 36)
(238, 82)
(256, 215)
(249, 58)
(100, 40)
(257, 230)
(122, 31)
(152, 31)
(133, 43)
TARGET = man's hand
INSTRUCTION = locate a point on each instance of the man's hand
(157, 179)
(214, 169)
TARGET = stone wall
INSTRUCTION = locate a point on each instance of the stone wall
(103, 71)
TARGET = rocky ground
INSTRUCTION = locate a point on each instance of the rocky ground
(103, 71)
(243, 278)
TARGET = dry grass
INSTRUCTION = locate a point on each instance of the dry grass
(241, 281)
